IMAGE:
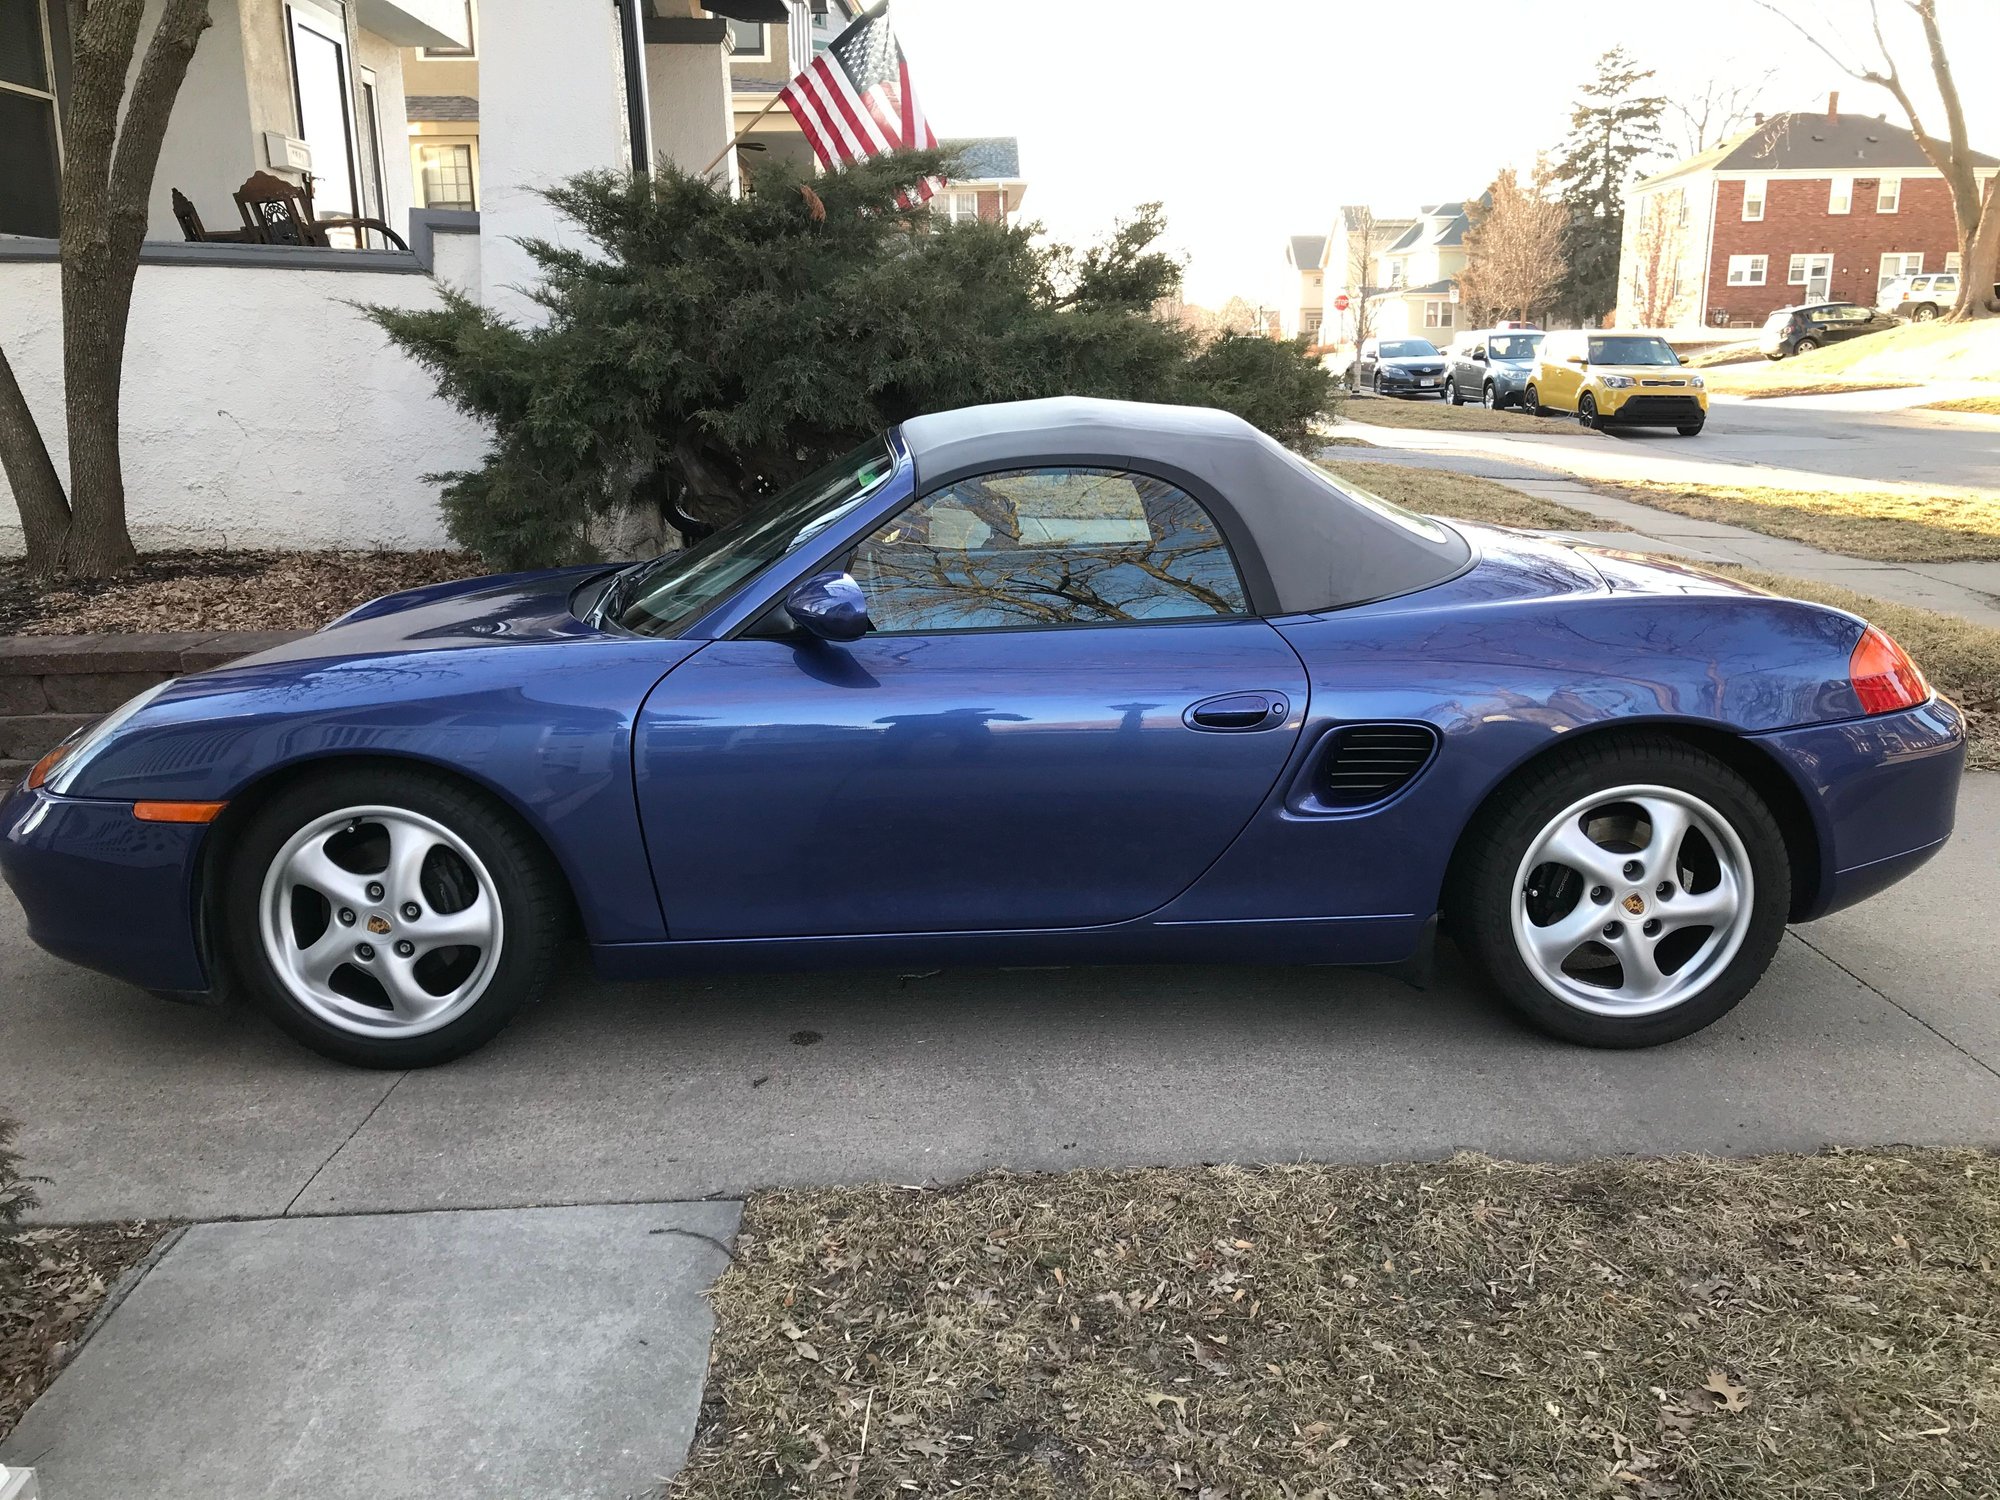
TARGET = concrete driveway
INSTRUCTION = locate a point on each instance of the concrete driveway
(1878, 1025)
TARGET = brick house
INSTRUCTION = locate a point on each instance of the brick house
(1799, 208)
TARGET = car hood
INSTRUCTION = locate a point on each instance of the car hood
(509, 608)
(1670, 374)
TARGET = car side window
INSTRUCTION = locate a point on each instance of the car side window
(1047, 547)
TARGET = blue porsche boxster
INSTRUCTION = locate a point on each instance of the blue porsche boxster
(1052, 682)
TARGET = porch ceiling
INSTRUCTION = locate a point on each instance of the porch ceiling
(414, 23)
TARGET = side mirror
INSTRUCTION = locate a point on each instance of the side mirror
(1479, 356)
(830, 606)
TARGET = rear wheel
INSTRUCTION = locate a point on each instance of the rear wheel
(391, 919)
(1925, 313)
(1623, 894)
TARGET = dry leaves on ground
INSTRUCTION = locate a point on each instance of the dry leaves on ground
(184, 591)
(1770, 1329)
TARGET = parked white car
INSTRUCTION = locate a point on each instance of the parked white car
(1919, 298)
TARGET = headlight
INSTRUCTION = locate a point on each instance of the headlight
(1616, 382)
(1697, 382)
(59, 769)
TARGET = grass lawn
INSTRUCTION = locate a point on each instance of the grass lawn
(1439, 492)
(1751, 390)
(1909, 355)
(1961, 659)
(1771, 1329)
(1939, 526)
(1434, 416)
(1983, 405)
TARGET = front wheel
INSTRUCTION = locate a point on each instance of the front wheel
(1586, 411)
(1689, 429)
(390, 918)
(1378, 384)
(1452, 392)
(1531, 402)
(1488, 397)
(1805, 346)
(1623, 894)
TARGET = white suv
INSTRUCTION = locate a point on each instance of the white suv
(1920, 298)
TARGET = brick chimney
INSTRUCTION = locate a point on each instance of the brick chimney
(1833, 108)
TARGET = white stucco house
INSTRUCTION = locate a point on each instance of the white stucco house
(260, 408)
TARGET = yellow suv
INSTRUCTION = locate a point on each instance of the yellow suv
(1612, 379)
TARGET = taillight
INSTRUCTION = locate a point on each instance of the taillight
(39, 772)
(1885, 679)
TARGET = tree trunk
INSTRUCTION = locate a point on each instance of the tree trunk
(38, 490)
(1981, 261)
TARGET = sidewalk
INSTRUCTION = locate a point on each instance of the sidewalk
(1970, 590)
(551, 1352)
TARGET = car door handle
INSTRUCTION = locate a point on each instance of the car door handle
(1238, 711)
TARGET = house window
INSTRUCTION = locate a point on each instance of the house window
(447, 176)
(34, 72)
(1951, 262)
(1747, 270)
(1437, 313)
(1753, 201)
(959, 208)
(1309, 324)
(748, 41)
(471, 48)
(1889, 197)
(1899, 263)
(1840, 195)
(1814, 273)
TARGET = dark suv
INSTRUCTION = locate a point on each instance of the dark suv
(1800, 330)
(1391, 367)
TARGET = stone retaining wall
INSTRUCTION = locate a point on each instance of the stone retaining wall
(52, 684)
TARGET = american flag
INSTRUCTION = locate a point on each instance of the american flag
(855, 100)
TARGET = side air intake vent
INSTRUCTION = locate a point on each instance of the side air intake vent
(1363, 764)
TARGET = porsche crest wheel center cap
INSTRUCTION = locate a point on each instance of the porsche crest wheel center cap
(1634, 903)
(379, 924)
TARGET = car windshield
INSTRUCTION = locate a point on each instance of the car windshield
(1513, 345)
(1408, 349)
(1616, 350)
(670, 591)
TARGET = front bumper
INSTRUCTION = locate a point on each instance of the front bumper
(1652, 408)
(1422, 385)
(1883, 793)
(104, 890)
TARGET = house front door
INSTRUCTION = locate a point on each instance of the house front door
(1818, 277)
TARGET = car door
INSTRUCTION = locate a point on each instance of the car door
(1563, 375)
(1064, 714)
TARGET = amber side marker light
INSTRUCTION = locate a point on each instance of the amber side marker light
(1885, 679)
(42, 769)
(177, 812)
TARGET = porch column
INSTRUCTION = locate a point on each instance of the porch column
(551, 104)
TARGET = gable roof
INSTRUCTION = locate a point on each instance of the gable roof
(1308, 250)
(1810, 142)
(987, 158)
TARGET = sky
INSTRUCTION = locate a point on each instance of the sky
(1253, 122)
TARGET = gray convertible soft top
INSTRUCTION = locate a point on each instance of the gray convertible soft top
(1302, 543)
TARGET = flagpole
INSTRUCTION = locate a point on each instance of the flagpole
(736, 138)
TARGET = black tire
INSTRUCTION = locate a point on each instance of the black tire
(1452, 393)
(1586, 411)
(1377, 386)
(1805, 346)
(1690, 429)
(1480, 897)
(1924, 314)
(1488, 397)
(1531, 402)
(533, 905)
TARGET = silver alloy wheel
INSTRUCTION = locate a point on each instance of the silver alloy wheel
(364, 963)
(1490, 398)
(1664, 917)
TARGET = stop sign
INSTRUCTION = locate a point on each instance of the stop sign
(1340, 303)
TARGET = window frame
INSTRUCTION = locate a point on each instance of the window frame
(330, 27)
(1904, 268)
(1248, 583)
(1439, 313)
(1837, 202)
(1886, 200)
(763, 52)
(1763, 191)
(422, 145)
(468, 53)
(1761, 264)
(53, 96)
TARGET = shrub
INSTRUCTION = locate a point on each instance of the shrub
(17, 1197)
(710, 349)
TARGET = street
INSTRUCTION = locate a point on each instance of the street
(1877, 1025)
